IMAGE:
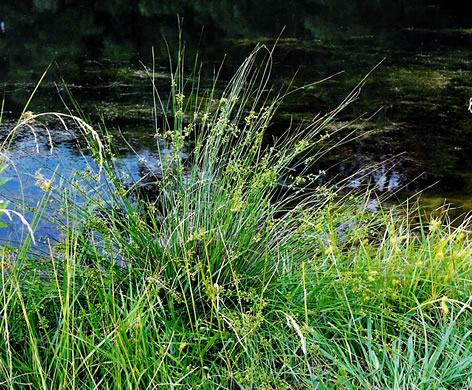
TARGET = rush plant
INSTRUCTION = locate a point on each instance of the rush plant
(228, 266)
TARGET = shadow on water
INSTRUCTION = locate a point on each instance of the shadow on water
(411, 122)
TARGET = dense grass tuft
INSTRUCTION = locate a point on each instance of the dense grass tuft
(233, 268)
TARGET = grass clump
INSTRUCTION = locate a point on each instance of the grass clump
(236, 270)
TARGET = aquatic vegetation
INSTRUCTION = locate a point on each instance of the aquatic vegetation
(234, 269)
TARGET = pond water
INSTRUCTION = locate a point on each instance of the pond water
(412, 120)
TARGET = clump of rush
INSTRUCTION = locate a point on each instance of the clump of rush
(241, 271)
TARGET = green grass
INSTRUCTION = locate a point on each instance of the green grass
(228, 281)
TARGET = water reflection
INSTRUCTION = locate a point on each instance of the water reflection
(423, 87)
(381, 179)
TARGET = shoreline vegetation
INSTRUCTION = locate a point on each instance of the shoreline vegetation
(228, 266)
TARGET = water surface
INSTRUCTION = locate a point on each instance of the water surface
(412, 121)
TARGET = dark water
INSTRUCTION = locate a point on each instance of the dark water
(420, 134)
